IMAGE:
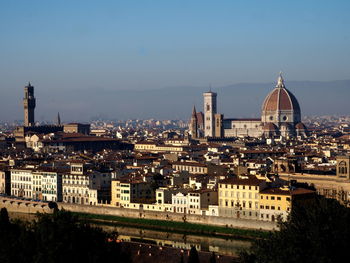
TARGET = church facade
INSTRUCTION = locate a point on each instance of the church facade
(280, 116)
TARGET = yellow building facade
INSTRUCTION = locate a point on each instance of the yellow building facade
(277, 202)
(239, 197)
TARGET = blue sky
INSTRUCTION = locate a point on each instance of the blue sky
(154, 44)
(140, 45)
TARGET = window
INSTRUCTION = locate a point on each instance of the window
(278, 198)
(272, 198)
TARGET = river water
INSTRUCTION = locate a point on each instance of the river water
(221, 246)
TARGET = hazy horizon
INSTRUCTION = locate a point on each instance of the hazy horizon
(234, 101)
(74, 51)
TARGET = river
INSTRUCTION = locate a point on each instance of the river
(221, 246)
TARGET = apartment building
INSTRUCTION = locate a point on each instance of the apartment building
(22, 183)
(277, 202)
(127, 191)
(239, 197)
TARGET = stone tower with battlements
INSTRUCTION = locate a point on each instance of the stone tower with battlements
(29, 105)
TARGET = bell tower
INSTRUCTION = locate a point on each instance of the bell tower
(194, 124)
(209, 113)
(29, 105)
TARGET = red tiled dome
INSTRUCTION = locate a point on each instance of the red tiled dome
(280, 99)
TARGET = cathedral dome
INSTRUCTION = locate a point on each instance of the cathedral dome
(281, 106)
(280, 99)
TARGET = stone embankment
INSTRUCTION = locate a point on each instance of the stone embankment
(23, 206)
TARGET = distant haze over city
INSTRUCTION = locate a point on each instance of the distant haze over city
(235, 101)
(153, 59)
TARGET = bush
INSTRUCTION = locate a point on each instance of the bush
(59, 237)
(317, 230)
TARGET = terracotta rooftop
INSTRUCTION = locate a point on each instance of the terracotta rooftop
(279, 191)
(251, 180)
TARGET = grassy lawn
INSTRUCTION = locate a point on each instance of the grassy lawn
(178, 227)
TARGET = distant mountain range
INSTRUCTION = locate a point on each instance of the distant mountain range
(234, 101)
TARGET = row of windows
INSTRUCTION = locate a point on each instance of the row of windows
(21, 178)
(179, 201)
(51, 192)
(85, 182)
(75, 191)
(238, 194)
(21, 186)
(238, 204)
(49, 186)
(27, 194)
(244, 187)
(274, 198)
(190, 168)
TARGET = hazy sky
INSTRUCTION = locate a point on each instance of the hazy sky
(154, 44)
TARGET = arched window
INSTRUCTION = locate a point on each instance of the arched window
(342, 169)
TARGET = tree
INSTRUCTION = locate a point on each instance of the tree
(193, 257)
(317, 230)
(58, 237)
(212, 258)
(182, 258)
(4, 216)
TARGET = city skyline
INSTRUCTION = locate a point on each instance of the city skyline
(242, 100)
(87, 53)
(174, 131)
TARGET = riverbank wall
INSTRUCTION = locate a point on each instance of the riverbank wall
(24, 206)
(21, 206)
